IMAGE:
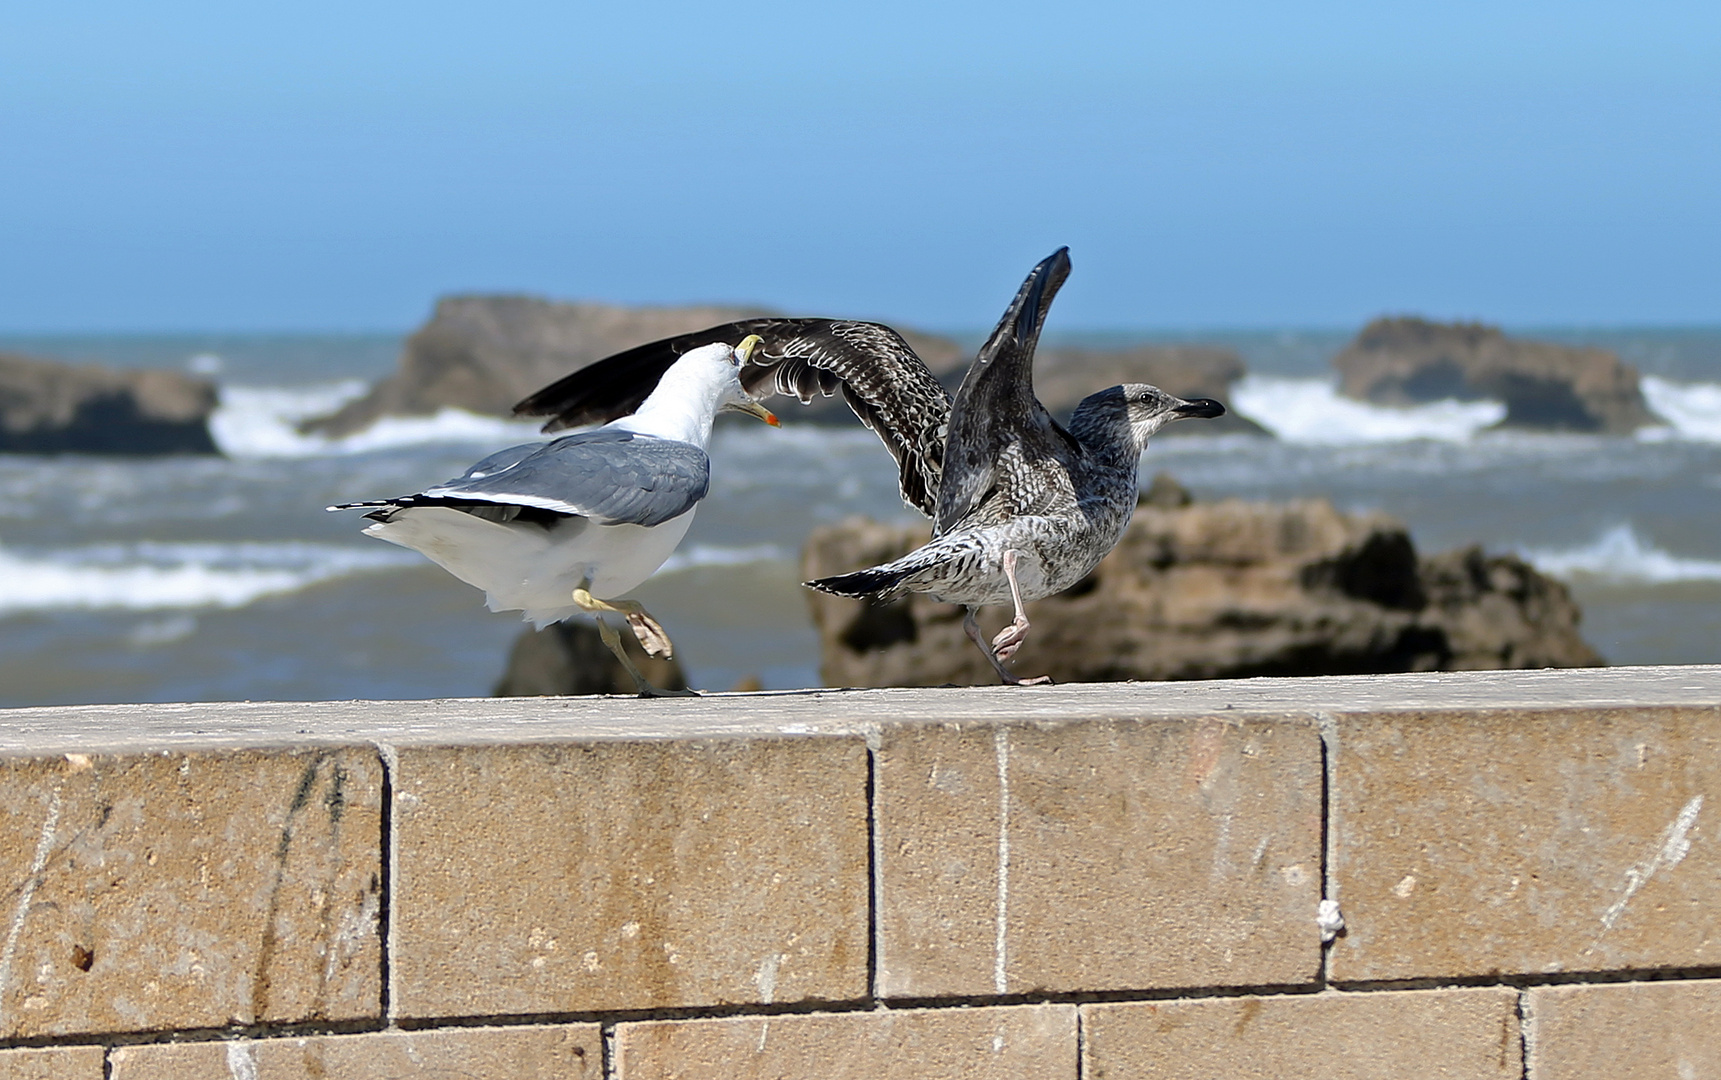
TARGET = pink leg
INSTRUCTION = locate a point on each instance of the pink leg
(1011, 637)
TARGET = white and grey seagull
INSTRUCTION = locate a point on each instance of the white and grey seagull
(1022, 507)
(565, 528)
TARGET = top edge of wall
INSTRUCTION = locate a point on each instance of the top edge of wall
(229, 725)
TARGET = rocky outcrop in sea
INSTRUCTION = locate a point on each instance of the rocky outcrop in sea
(49, 407)
(1214, 590)
(1408, 361)
(481, 354)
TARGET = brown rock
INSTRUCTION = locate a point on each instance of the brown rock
(1033, 1042)
(1403, 361)
(1106, 856)
(1220, 590)
(484, 353)
(1452, 1034)
(1064, 375)
(192, 890)
(568, 658)
(47, 407)
(549, 1052)
(581, 877)
(53, 1063)
(1479, 843)
(1670, 1029)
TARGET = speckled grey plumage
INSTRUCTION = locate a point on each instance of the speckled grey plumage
(1014, 479)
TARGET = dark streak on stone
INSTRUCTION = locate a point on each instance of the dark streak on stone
(336, 800)
(262, 980)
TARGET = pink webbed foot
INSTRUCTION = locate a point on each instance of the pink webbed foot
(1011, 638)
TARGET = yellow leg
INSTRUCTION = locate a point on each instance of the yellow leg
(646, 687)
(647, 629)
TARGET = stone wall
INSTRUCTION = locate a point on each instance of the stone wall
(1103, 881)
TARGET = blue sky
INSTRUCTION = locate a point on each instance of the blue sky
(235, 166)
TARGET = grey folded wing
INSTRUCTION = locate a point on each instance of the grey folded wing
(610, 477)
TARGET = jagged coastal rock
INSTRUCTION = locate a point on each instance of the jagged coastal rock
(569, 658)
(48, 407)
(1219, 590)
(1405, 361)
(483, 353)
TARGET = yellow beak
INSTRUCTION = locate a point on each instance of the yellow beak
(753, 408)
(745, 352)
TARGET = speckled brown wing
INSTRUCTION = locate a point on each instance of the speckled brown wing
(881, 377)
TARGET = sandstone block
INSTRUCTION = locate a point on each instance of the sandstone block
(1473, 843)
(1395, 1035)
(1625, 1030)
(630, 875)
(54, 1063)
(558, 1052)
(157, 891)
(1013, 1043)
(1106, 855)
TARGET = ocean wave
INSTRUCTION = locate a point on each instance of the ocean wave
(155, 576)
(1692, 410)
(1312, 411)
(1620, 556)
(696, 556)
(262, 421)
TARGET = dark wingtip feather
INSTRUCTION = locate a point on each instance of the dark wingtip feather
(861, 583)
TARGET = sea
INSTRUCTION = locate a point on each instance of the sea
(223, 578)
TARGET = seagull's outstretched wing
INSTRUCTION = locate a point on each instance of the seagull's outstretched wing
(886, 384)
(610, 477)
(996, 405)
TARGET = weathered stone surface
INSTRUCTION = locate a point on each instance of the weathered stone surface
(629, 875)
(1213, 590)
(1405, 1035)
(1017, 1043)
(1110, 855)
(201, 725)
(1624, 1030)
(48, 407)
(550, 1052)
(1407, 360)
(53, 1063)
(1064, 375)
(1474, 843)
(484, 353)
(570, 658)
(151, 892)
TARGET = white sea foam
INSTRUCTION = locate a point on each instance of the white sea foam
(1312, 411)
(1692, 410)
(695, 556)
(1619, 555)
(262, 421)
(155, 576)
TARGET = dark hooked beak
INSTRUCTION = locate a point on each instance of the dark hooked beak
(1204, 407)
